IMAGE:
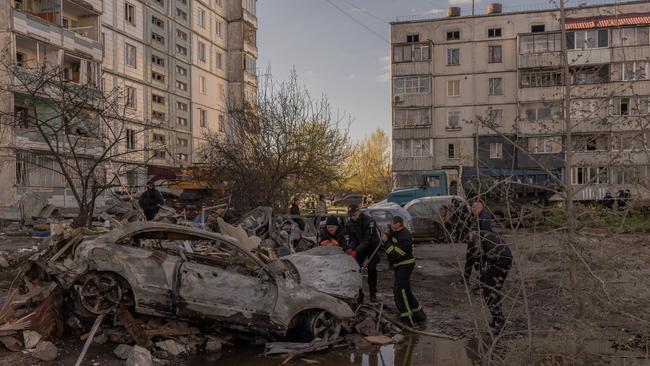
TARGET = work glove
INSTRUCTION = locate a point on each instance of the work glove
(352, 253)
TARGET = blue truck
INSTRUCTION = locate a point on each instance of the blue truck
(434, 183)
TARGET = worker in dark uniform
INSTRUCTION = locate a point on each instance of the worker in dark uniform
(150, 201)
(608, 201)
(295, 208)
(480, 222)
(496, 261)
(333, 234)
(363, 237)
(398, 244)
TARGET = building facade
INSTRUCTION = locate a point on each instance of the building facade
(179, 65)
(488, 90)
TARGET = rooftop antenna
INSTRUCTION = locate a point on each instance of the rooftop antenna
(473, 1)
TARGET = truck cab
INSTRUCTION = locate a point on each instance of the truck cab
(434, 183)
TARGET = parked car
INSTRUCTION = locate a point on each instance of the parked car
(181, 272)
(430, 221)
(351, 199)
(384, 212)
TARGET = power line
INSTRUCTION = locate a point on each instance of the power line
(385, 21)
(358, 22)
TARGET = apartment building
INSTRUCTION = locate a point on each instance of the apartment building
(487, 90)
(179, 64)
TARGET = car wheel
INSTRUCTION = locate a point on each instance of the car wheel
(98, 293)
(323, 325)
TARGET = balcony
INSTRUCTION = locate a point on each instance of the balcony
(540, 50)
(250, 18)
(250, 77)
(590, 56)
(412, 68)
(536, 94)
(543, 59)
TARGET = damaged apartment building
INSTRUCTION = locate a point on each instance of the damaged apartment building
(178, 63)
(504, 70)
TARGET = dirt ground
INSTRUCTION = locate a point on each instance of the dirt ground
(545, 325)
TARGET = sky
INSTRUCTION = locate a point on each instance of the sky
(345, 59)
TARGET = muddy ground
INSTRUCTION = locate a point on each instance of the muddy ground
(545, 324)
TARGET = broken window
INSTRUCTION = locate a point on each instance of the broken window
(130, 139)
(540, 78)
(495, 86)
(590, 74)
(537, 28)
(494, 32)
(453, 35)
(453, 56)
(413, 38)
(412, 117)
(494, 54)
(453, 151)
(496, 150)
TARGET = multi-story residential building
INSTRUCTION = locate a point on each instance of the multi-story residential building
(178, 63)
(488, 90)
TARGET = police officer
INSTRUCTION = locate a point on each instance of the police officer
(363, 239)
(496, 261)
(398, 244)
(480, 222)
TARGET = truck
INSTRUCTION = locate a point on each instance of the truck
(433, 183)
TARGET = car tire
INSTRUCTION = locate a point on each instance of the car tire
(99, 293)
(322, 324)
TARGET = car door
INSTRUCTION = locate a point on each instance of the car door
(224, 283)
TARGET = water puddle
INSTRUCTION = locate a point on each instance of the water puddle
(415, 351)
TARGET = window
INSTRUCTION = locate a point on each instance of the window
(495, 117)
(181, 50)
(413, 148)
(494, 32)
(184, 2)
(218, 29)
(130, 139)
(412, 85)
(453, 35)
(201, 51)
(622, 106)
(590, 143)
(157, 22)
(203, 118)
(157, 77)
(157, 60)
(580, 175)
(250, 64)
(544, 145)
(630, 36)
(157, 38)
(593, 38)
(412, 117)
(21, 116)
(159, 154)
(249, 6)
(182, 142)
(181, 85)
(181, 14)
(496, 150)
(219, 60)
(453, 56)
(222, 123)
(539, 112)
(540, 78)
(413, 38)
(411, 52)
(37, 171)
(630, 71)
(181, 157)
(539, 43)
(494, 54)
(453, 120)
(453, 151)
(181, 106)
(537, 28)
(130, 94)
(495, 86)
(590, 75)
(181, 35)
(453, 88)
(200, 17)
(159, 116)
(202, 84)
(129, 13)
(181, 121)
(157, 99)
(181, 70)
(159, 138)
(20, 59)
(130, 56)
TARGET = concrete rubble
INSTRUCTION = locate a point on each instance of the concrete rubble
(260, 280)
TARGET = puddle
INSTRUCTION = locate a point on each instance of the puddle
(415, 351)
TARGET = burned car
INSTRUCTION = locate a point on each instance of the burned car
(179, 272)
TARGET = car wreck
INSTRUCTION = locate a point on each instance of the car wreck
(179, 272)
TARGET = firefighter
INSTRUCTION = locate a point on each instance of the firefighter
(150, 201)
(480, 222)
(363, 238)
(398, 244)
(333, 234)
(496, 262)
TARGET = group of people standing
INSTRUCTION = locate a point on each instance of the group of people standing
(361, 238)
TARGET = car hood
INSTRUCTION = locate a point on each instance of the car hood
(329, 270)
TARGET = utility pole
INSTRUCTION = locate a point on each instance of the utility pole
(473, 3)
(568, 164)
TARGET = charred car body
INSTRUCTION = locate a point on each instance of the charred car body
(180, 272)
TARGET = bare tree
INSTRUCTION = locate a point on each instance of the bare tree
(64, 124)
(285, 142)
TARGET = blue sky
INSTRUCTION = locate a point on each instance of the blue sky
(336, 56)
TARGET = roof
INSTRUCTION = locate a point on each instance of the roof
(608, 21)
